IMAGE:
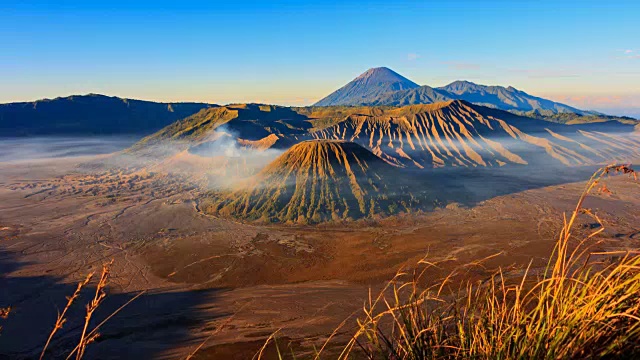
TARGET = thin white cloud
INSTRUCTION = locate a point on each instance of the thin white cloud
(461, 65)
(628, 51)
(412, 56)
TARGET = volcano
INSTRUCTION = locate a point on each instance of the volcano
(347, 163)
(367, 87)
(384, 87)
(315, 181)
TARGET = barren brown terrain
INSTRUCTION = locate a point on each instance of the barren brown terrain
(233, 283)
(319, 180)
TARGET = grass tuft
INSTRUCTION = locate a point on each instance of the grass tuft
(91, 307)
(86, 336)
(582, 305)
(4, 313)
(61, 315)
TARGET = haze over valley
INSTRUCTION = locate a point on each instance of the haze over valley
(380, 219)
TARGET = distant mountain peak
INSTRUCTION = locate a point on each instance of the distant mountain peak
(463, 82)
(381, 86)
(462, 86)
(384, 75)
(368, 85)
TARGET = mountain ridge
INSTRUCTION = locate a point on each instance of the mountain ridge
(342, 163)
(359, 93)
(449, 133)
(91, 114)
(316, 181)
(504, 98)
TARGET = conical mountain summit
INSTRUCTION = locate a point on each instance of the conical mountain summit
(384, 87)
(315, 181)
(370, 85)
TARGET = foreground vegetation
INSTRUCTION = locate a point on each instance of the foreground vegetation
(582, 305)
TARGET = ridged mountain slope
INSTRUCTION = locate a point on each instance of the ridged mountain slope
(317, 181)
(251, 125)
(457, 133)
(452, 133)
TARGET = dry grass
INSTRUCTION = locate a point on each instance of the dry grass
(86, 336)
(4, 313)
(91, 307)
(61, 315)
(201, 345)
(581, 305)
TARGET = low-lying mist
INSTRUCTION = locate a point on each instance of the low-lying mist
(33, 148)
(219, 161)
(216, 162)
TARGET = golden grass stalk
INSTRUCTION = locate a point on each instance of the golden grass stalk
(579, 308)
(93, 334)
(225, 323)
(4, 313)
(266, 343)
(86, 337)
(61, 315)
(582, 305)
(91, 307)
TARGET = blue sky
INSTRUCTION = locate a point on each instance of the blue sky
(585, 53)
